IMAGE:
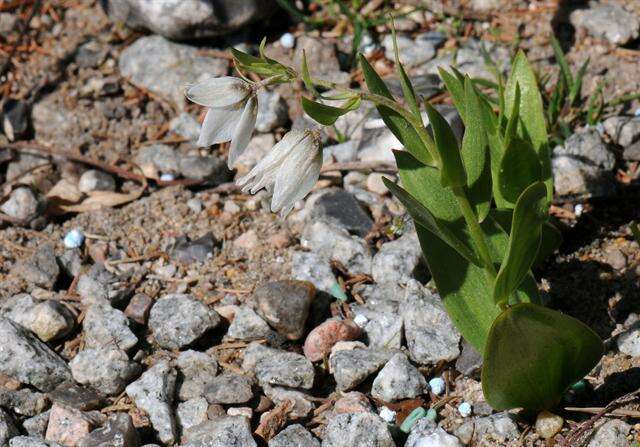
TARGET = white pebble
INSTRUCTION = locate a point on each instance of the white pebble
(578, 209)
(167, 177)
(464, 409)
(73, 239)
(437, 385)
(287, 40)
(387, 415)
(360, 320)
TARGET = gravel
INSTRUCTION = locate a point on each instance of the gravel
(348, 430)
(397, 380)
(108, 370)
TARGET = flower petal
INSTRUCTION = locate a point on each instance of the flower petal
(243, 131)
(263, 174)
(297, 175)
(219, 125)
(218, 92)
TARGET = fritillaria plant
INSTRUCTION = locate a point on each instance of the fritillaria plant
(481, 205)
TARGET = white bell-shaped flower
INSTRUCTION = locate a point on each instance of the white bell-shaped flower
(289, 170)
(233, 109)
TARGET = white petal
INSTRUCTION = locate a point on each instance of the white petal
(263, 174)
(297, 175)
(243, 131)
(219, 125)
(218, 92)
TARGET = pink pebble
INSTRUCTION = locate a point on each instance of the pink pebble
(321, 339)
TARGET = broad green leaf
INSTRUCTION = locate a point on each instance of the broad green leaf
(519, 168)
(396, 123)
(327, 115)
(455, 87)
(266, 67)
(462, 285)
(452, 171)
(551, 237)
(512, 123)
(533, 355)
(407, 88)
(491, 124)
(532, 125)
(423, 217)
(475, 153)
(531, 211)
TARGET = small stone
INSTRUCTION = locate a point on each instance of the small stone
(139, 307)
(340, 208)
(437, 385)
(427, 434)
(431, 336)
(334, 243)
(177, 320)
(197, 370)
(322, 338)
(108, 370)
(247, 325)
(470, 360)
(75, 396)
(464, 409)
(99, 286)
(67, 426)
(381, 322)
(387, 415)
(186, 126)
(31, 441)
(23, 204)
(302, 406)
(8, 428)
(276, 367)
(191, 413)
(23, 402)
(153, 392)
(288, 41)
(47, 319)
(321, 59)
(272, 111)
(398, 379)
(412, 52)
(499, 428)
(229, 388)
(247, 241)
(351, 367)
(357, 429)
(105, 326)
(212, 169)
(294, 436)
(73, 239)
(313, 268)
(15, 119)
(165, 67)
(196, 250)
(623, 130)
(158, 159)
(352, 402)
(609, 21)
(285, 306)
(28, 360)
(397, 260)
(41, 268)
(7, 23)
(613, 433)
(240, 411)
(224, 431)
(36, 426)
(118, 432)
(94, 180)
(548, 424)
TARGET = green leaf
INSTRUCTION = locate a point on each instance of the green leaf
(533, 355)
(327, 115)
(452, 171)
(306, 76)
(577, 84)
(265, 67)
(514, 118)
(462, 285)
(396, 123)
(455, 87)
(475, 153)
(565, 72)
(532, 119)
(407, 89)
(423, 217)
(530, 213)
(519, 168)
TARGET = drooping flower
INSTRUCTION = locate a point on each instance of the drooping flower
(289, 170)
(233, 109)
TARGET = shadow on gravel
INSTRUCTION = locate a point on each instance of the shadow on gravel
(562, 28)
